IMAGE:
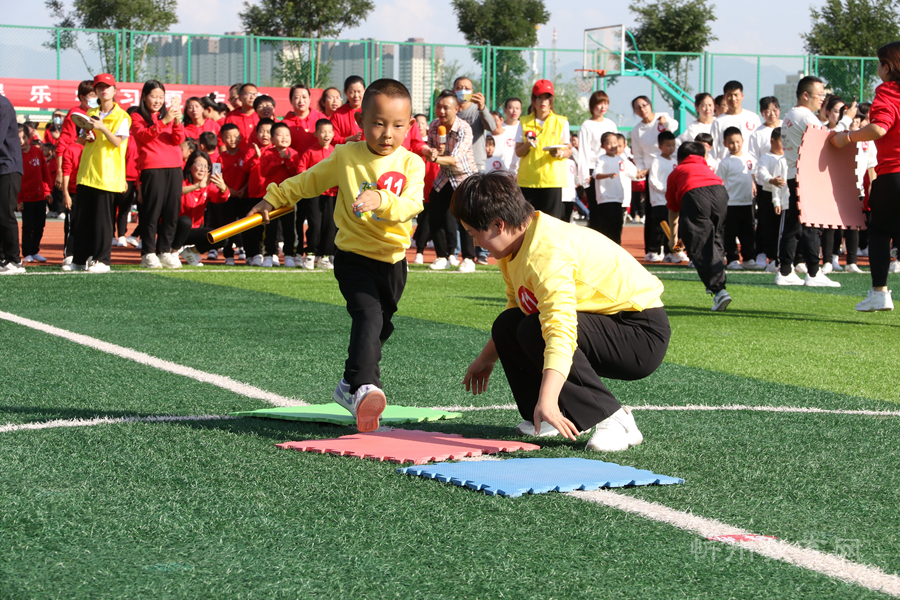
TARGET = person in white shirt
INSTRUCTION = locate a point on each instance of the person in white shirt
(757, 146)
(612, 173)
(505, 140)
(734, 116)
(810, 96)
(645, 146)
(660, 169)
(625, 152)
(736, 171)
(721, 106)
(771, 200)
(589, 145)
(706, 114)
(707, 141)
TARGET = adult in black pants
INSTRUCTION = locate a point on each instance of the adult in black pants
(796, 237)
(10, 183)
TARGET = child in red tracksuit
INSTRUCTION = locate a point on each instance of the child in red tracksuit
(319, 211)
(232, 160)
(697, 196)
(256, 189)
(278, 163)
(33, 195)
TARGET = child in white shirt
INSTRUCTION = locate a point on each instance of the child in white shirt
(660, 168)
(493, 162)
(736, 170)
(625, 152)
(771, 200)
(707, 141)
(735, 116)
(611, 174)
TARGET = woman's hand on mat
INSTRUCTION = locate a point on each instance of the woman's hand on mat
(477, 375)
(547, 411)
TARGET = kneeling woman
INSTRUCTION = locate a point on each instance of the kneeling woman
(579, 308)
(200, 187)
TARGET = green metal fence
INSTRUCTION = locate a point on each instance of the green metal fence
(498, 72)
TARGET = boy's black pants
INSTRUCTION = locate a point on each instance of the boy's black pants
(626, 345)
(797, 237)
(607, 218)
(10, 185)
(702, 228)
(372, 290)
(654, 238)
(767, 223)
(34, 218)
(739, 224)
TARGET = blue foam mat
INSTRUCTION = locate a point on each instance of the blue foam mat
(517, 476)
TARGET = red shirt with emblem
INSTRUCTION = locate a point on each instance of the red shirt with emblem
(36, 182)
(313, 156)
(303, 130)
(193, 204)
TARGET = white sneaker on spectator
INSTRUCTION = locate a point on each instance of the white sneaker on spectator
(820, 280)
(256, 261)
(876, 301)
(275, 261)
(170, 260)
(671, 258)
(28, 259)
(191, 256)
(615, 433)
(241, 255)
(98, 267)
(131, 241)
(682, 256)
(229, 262)
(761, 259)
(298, 261)
(800, 269)
(12, 268)
(734, 265)
(267, 262)
(467, 266)
(454, 260)
(835, 265)
(772, 266)
(721, 301)
(212, 254)
(752, 265)
(150, 261)
(325, 263)
(653, 257)
(439, 264)
(289, 261)
(827, 268)
(115, 242)
(527, 428)
(419, 260)
(122, 242)
(852, 268)
(895, 267)
(863, 252)
(309, 262)
(791, 279)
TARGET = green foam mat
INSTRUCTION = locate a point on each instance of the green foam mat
(336, 414)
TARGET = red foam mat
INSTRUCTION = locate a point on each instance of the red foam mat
(826, 182)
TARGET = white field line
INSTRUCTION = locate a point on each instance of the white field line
(702, 407)
(221, 381)
(831, 565)
(9, 427)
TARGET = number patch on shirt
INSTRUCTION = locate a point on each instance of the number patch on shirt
(527, 301)
(392, 181)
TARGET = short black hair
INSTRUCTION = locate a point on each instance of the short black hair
(776, 134)
(262, 98)
(386, 87)
(704, 138)
(664, 136)
(483, 198)
(323, 123)
(619, 135)
(511, 99)
(228, 127)
(245, 86)
(765, 103)
(690, 149)
(720, 99)
(417, 115)
(447, 94)
(730, 131)
(279, 125)
(266, 121)
(806, 85)
(191, 144)
(606, 135)
(208, 139)
(732, 86)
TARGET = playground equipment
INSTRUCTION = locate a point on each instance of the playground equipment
(605, 56)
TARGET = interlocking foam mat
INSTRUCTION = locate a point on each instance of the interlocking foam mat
(337, 415)
(517, 476)
(402, 446)
(826, 182)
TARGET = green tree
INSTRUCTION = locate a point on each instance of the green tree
(672, 26)
(313, 19)
(502, 23)
(137, 15)
(851, 28)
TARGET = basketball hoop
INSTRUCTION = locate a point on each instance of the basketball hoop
(597, 72)
(586, 83)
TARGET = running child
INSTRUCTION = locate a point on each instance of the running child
(559, 335)
(379, 192)
(736, 171)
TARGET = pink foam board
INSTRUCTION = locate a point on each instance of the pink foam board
(826, 182)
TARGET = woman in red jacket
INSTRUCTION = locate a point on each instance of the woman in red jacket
(884, 130)
(195, 121)
(159, 133)
(330, 101)
(346, 129)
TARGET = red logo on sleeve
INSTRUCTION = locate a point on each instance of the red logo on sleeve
(527, 301)
(622, 165)
(392, 181)
(749, 164)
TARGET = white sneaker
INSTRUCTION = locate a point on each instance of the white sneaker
(170, 260)
(653, 257)
(343, 396)
(368, 404)
(835, 265)
(420, 259)
(150, 261)
(256, 261)
(325, 263)
(721, 301)
(275, 261)
(123, 242)
(298, 261)
(791, 279)
(454, 260)
(852, 268)
(439, 264)
(241, 255)
(68, 268)
(895, 267)
(752, 265)
(28, 259)
(801, 269)
(115, 242)
(526, 428)
(827, 268)
(267, 262)
(761, 259)
(98, 267)
(191, 256)
(67, 260)
(772, 267)
(863, 252)
(131, 241)
(820, 280)
(467, 266)
(682, 256)
(212, 254)
(289, 261)
(229, 262)
(12, 268)
(615, 433)
(734, 265)
(309, 262)
(671, 258)
(876, 301)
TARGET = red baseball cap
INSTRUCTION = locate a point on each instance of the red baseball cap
(105, 78)
(542, 86)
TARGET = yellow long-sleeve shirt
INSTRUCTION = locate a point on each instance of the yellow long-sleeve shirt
(383, 234)
(562, 269)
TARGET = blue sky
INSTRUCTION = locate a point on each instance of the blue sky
(764, 26)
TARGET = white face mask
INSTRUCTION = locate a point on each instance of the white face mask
(93, 103)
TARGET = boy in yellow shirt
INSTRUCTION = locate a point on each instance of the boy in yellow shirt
(380, 186)
(579, 307)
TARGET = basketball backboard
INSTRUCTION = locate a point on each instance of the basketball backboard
(604, 49)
